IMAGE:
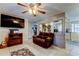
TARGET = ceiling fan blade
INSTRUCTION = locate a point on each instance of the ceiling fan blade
(24, 11)
(21, 4)
(38, 4)
(43, 12)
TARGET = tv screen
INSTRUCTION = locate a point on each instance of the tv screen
(13, 22)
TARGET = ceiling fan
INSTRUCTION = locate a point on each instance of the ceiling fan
(32, 8)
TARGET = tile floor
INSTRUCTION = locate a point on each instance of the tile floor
(37, 50)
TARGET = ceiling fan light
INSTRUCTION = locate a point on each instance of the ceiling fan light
(34, 11)
(30, 11)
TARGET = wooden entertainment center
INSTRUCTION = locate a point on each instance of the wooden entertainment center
(14, 39)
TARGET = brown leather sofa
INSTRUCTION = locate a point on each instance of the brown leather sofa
(44, 39)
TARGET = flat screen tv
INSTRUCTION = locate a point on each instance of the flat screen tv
(11, 22)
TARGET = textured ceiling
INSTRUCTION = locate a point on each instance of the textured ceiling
(71, 9)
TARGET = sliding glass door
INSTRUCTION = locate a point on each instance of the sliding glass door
(75, 31)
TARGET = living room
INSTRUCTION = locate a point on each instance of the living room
(28, 29)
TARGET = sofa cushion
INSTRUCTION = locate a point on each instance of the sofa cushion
(49, 38)
(42, 40)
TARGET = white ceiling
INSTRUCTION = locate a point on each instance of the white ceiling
(71, 9)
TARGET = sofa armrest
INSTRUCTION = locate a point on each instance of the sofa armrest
(48, 39)
(34, 36)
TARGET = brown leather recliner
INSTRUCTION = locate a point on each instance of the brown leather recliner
(44, 39)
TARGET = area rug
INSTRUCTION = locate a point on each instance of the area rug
(22, 52)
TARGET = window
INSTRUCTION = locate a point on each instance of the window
(72, 28)
(75, 27)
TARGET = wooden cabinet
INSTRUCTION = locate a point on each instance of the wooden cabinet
(15, 39)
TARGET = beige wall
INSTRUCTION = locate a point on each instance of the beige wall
(30, 32)
(67, 26)
(4, 31)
